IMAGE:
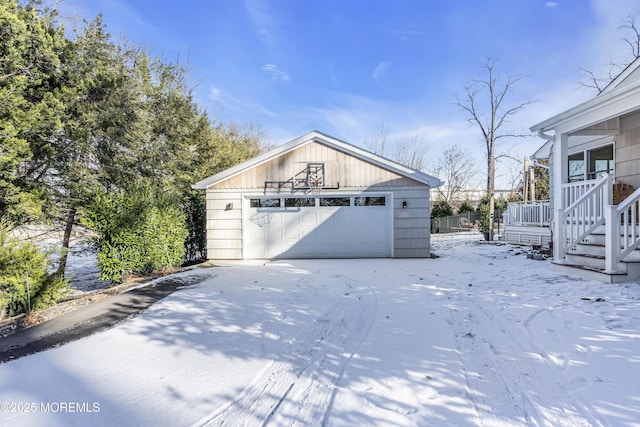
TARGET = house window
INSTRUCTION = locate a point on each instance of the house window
(369, 201)
(600, 161)
(335, 201)
(576, 167)
(264, 203)
(299, 202)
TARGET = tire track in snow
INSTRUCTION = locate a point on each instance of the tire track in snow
(299, 389)
(493, 356)
(582, 403)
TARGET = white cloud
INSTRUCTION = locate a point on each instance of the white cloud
(551, 4)
(379, 73)
(407, 35)
(243, 106)
(263, 22)
(275, 73)
(215, 93)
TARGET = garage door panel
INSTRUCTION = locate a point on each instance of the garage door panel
(362, 234)
(308, 218)
(336, 217)
(318, 232)
(292, 235)
(376, 215)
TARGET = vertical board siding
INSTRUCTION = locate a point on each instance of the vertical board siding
(353, 172)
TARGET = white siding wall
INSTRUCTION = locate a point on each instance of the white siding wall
(628, 151)
(224, 226)
(411, 225)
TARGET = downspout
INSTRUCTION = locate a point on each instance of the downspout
(548, 138)
(543, 135)
(537, 164)
(552, 139)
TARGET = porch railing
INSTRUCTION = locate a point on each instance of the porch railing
(622, 231)
(575, 190)
(584, 213)
(536, 213)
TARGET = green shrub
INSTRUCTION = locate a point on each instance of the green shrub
(16, 260)
(441, 209)
(465, 207)
(484, 220)
(139, 230)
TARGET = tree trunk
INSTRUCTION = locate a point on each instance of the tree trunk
(491, 169)
(65, 242)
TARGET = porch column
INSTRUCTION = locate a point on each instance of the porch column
(560, 176)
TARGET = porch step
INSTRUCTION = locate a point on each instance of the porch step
(588, 246)
(594, 265)
(590, 273)
(598, 237)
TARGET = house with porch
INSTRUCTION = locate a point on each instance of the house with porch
(594, 162)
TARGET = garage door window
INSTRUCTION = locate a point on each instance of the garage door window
(370, 201)
(300, 202)
(264, 203)
(335, 201)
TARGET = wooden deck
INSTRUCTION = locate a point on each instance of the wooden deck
(527, 223)
(527, 235)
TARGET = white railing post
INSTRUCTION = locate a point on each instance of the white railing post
(627, 216)
(540, 214)
(520, 213)
(558, 234)
(611, 238)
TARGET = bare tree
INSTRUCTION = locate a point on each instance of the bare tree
(412, 151)
(485, 105)
(514, 176)
(456, 168)
(598, 82)
(377, 142)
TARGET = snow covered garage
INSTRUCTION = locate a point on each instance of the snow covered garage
(317, 197)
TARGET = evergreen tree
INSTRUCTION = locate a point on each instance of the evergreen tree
(30, 106)
(440, 209)
(81, 117)
(465, 207)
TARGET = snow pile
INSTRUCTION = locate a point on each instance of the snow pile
(479, 336)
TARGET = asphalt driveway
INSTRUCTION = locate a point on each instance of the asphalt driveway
(88, 320)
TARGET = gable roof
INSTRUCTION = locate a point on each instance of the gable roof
(621, 96)
(326, 140)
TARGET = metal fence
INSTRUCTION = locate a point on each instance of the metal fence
(455, 223)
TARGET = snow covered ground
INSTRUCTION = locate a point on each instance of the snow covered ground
(479, 336)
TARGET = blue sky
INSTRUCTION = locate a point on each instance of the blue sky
(344, 66)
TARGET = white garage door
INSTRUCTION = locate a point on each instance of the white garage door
(320, 226)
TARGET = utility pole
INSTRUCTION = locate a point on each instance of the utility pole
(525, 195)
